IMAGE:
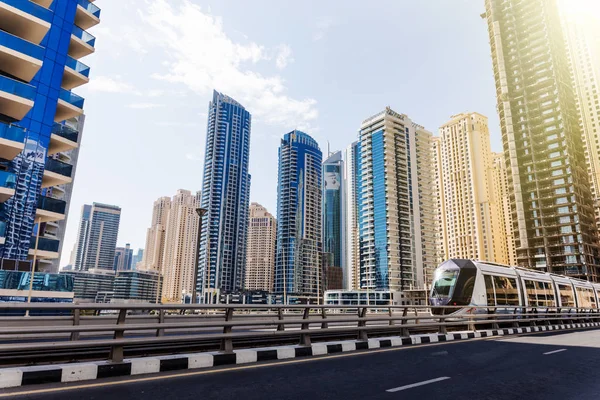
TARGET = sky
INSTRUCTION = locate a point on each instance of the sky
(321, 67)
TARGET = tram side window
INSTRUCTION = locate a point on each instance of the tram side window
(489, 290)
(566, 296)
(506, 291)
(531, 295)
(586, 298)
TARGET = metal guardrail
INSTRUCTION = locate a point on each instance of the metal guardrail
(156, 325)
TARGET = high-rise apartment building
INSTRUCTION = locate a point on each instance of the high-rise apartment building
(97, 237)
(179, 254)
(41, 43)
(155, 236)
(397, 246)
(298, 268)
(334, 235)
(123, 258)
(583, 45)
(225, 196)
(260, 253)
(551, 200)
(351, 189)
(504, 243)
(441, 231)
(467, 189)
(137, 258)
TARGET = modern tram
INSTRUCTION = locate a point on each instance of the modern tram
(459, 282)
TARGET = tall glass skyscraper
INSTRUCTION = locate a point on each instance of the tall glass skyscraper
(552, 205)
(299, 245)
(41, 42)
(333, 208)
(226, 196)
(352, 194)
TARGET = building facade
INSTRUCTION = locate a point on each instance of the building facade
(260, 253)
(225, 196)
(298, 269)
(397, 246)
(41, 43)
(551, 201)
(504, 242)
(583, 45)
(334, 234)
(97, 237)
(467, 189)
(123, 258)
(181, 235)
(136, 287)
(351, 193)
(155, 236)
(87, 284)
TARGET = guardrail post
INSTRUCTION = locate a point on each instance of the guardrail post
(515, 322)
(305, 337)
(534, 312)
(116, 351)
(161, 320)
(280, 327)
(404, 331)
(324, 325)
(443, 329)
(362, 314)
(76, 314)
(227, 343)
(416, 315)
(391, 314)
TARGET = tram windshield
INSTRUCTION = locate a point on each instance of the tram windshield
(443, 284)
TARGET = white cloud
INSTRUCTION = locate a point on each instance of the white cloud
(202, 57)
(284, 57)
(144, 106)
(109, 85)
(323, 25)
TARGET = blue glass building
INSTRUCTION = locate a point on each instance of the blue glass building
(299, 192)
(333, 208)
(41, 42)
(225, 196)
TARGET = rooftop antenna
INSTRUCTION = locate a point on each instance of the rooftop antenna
(328, 151)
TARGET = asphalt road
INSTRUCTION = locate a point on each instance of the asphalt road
(553, 365)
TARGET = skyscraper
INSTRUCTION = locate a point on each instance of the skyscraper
(179, 252)
(225, 196)
(504, 242)
(551, 201)
(123, 258)
(583, 46)
(334, 235)
(396, 213)
(299, 245)
(351, 189)
(97, 237)
(41, 43)
(260, 254)
(467, 189)
(137, 258)
(155, 236)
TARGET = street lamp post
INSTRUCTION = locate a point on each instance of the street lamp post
(200, 211)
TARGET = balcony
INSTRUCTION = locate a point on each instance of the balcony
(8, 182)
(76, 74)
(82, 43)
(16, 98)
(69, 105)
(43, 3)
(50, 210)
(18, 57)
(12, 139)
(63, 138)
(87, 14)
(47, 248)
(56, 173)
(25, 19)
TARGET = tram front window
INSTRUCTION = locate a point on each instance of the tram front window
(443, 285)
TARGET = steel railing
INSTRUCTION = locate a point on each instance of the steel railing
(76, 327)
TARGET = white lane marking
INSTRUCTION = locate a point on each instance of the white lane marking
(555, 351)
(443, 378)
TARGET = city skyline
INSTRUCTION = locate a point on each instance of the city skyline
(339, 112)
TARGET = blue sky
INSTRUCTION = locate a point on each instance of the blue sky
(318, 66)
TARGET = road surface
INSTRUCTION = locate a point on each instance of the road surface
(550, 365)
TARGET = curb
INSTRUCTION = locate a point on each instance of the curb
(63, 373)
